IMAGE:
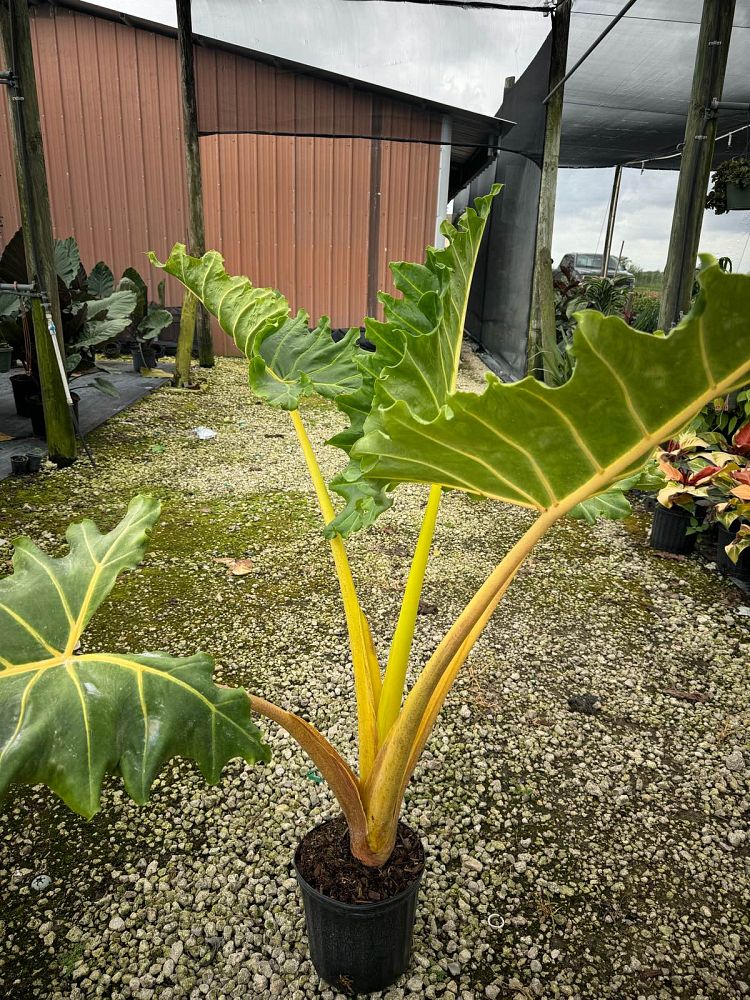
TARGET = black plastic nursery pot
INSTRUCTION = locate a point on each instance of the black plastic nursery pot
(741, 569)
(669, 530)
(359, 948)
(23, 387)
(6, 353)
(144, 357)
(36, 412)
(19, 464)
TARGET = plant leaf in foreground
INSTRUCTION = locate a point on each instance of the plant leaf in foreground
(68, 718)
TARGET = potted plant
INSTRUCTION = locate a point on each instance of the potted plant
(731, 186)
(732, 512)
(92, 312)
(148, 321)
(556, 452)
(687, 466)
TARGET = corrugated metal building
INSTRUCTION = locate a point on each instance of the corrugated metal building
(312, 182)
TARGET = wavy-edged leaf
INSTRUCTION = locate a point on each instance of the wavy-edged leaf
(68, 718)
(544, 448)
(417, 351)
(294, 361)
(287, 359)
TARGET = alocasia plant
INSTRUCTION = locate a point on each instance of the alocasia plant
(69, 717)
(571, 450)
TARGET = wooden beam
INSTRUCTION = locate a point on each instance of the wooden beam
(36, 220)
(542, 333)
(695, 167)
(196, 228)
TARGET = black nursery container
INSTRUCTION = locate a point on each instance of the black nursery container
(23, 387)
(741, 569)
(36, 412)
(669, 530)
(359, 948)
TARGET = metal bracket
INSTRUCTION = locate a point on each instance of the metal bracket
(8, 77)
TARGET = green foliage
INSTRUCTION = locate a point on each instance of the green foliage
(100, 282)
(92, 312)
(643, 311)
(287, 360)
(735, 171)
(67, 260)
(607, 295)
(539, 447)
(68, 718)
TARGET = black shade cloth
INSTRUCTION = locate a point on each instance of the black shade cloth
(499, 305)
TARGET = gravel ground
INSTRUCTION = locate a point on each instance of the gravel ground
(613, 845)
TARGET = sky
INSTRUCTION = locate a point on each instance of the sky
(458, 57)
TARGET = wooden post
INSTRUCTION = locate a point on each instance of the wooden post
(36, 220)
(373, 226)
(542, 333)
(700, 135)
(611, 219)
(196, 230)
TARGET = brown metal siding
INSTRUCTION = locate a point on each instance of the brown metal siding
(289, 212)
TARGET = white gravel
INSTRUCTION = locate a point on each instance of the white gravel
(613, 845)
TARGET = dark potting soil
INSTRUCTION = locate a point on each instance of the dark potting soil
(326, 863)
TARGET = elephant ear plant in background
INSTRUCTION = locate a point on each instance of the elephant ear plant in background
(564, 451)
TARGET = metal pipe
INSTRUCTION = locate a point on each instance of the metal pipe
(591, 48)
(14, 287)
(611, 219)
(717, 105)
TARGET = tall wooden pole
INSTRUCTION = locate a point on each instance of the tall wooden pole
(36, 220)
(695, 167)
(196, 230)
(612, 215)
(542, 334)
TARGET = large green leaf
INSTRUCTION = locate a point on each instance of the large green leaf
(67, 260)
(101, 281)
(153, 323)
(417, 351)
(67, 718)
(287, 360)
(544, 448)
(105, 318)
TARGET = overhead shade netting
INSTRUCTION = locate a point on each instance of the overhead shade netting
(627, 104)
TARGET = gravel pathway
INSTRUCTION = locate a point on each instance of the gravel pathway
(611, 837)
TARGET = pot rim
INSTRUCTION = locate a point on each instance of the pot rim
(354, 907)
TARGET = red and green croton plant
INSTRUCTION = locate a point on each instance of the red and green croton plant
(67, 718)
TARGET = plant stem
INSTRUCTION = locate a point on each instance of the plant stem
(366, 671)
(398, 658)
(400, 752)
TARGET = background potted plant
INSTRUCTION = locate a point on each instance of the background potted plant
(556, 452)
(731, 186)
(148, 320)
(92, 312)
(687, 467)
